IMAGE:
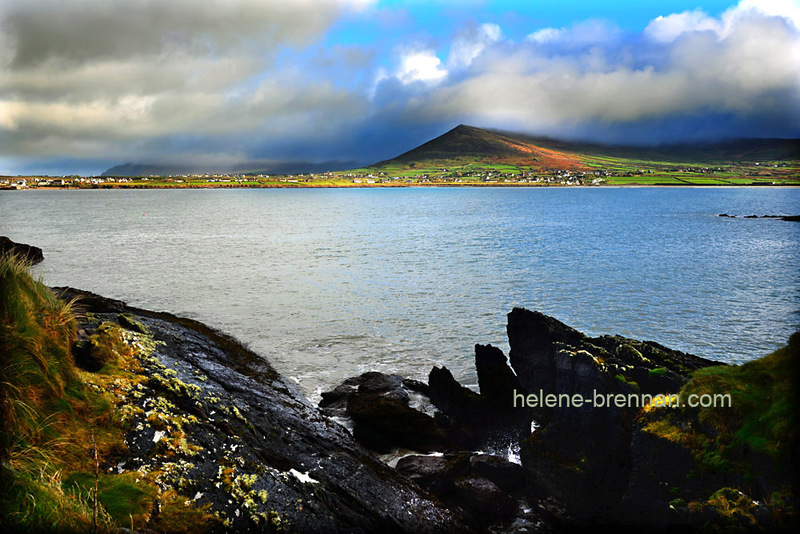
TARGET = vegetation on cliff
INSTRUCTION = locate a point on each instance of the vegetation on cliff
(744, 449)
(62, 425)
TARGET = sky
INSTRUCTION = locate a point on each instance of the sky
(89, 84)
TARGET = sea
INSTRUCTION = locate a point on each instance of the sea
(330, 283)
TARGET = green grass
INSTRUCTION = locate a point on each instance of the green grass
(51, 419)
(120, 495)
(764, 397)
(760, 419)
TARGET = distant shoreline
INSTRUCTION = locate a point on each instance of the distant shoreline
(395, 186)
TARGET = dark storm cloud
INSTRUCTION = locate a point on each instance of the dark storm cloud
(229, 81)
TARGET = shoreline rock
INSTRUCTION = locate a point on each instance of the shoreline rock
(218, 422)
(589, 465)
(790, 218)
(28, 253)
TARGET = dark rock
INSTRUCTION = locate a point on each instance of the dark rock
(424, 470)
(385, 422)
(790, 218)
(508, 476)
(552, 358)
(453, 399)
(27, 253)
(458, 484)
(82, 353)
(484, 500)
(379, 407)
(496, 380)
(250, 445)
(416, 385)
(489, 419)
(582, 454)
(334, 403)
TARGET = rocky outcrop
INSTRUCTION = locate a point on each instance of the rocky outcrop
(582, 453)
(487, 488)
(382, 419)
(217, 422)
(212, 420)
(790, 218)
(597, 457)
(28, 253)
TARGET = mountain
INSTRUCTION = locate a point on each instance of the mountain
(464, 145)
(468, 144)
(258, 167)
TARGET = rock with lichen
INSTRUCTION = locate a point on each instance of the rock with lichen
(209, 419)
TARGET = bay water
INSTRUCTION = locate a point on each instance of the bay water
(329, 283)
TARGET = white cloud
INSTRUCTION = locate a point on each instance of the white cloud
(788, 9)
(585, 33)
(742, 65)
(420, 66)
(667, 29)
(546, 35)
(469, 44)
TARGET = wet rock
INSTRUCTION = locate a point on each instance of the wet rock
(488, 419)
(379, 406)
(508, 476)
(550, 357)
(496, 380)
(582, 453)
(484, 500)
(454, 400)
(82, 352)
(790, 218)
(424, 470)
(217, 422)
(458, 479)
(334, 403)
(28, 253)
(384, 422)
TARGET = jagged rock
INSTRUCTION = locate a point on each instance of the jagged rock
(424, 470)
(385, 422)
(508, 476)
(484, 500)
(28, 253)
(378, 405)
(433, 471)
(250, 445)
(454, 400)
(460, 482)
(334, 403)
(582, 454)
(552, 358)
(496, 380)
(486, 419)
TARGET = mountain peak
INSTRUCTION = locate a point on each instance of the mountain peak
(466, 142)
(467, 145)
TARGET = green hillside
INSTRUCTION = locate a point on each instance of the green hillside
(468, 152)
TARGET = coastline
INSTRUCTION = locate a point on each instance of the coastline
(785, 184)
(215, 437)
